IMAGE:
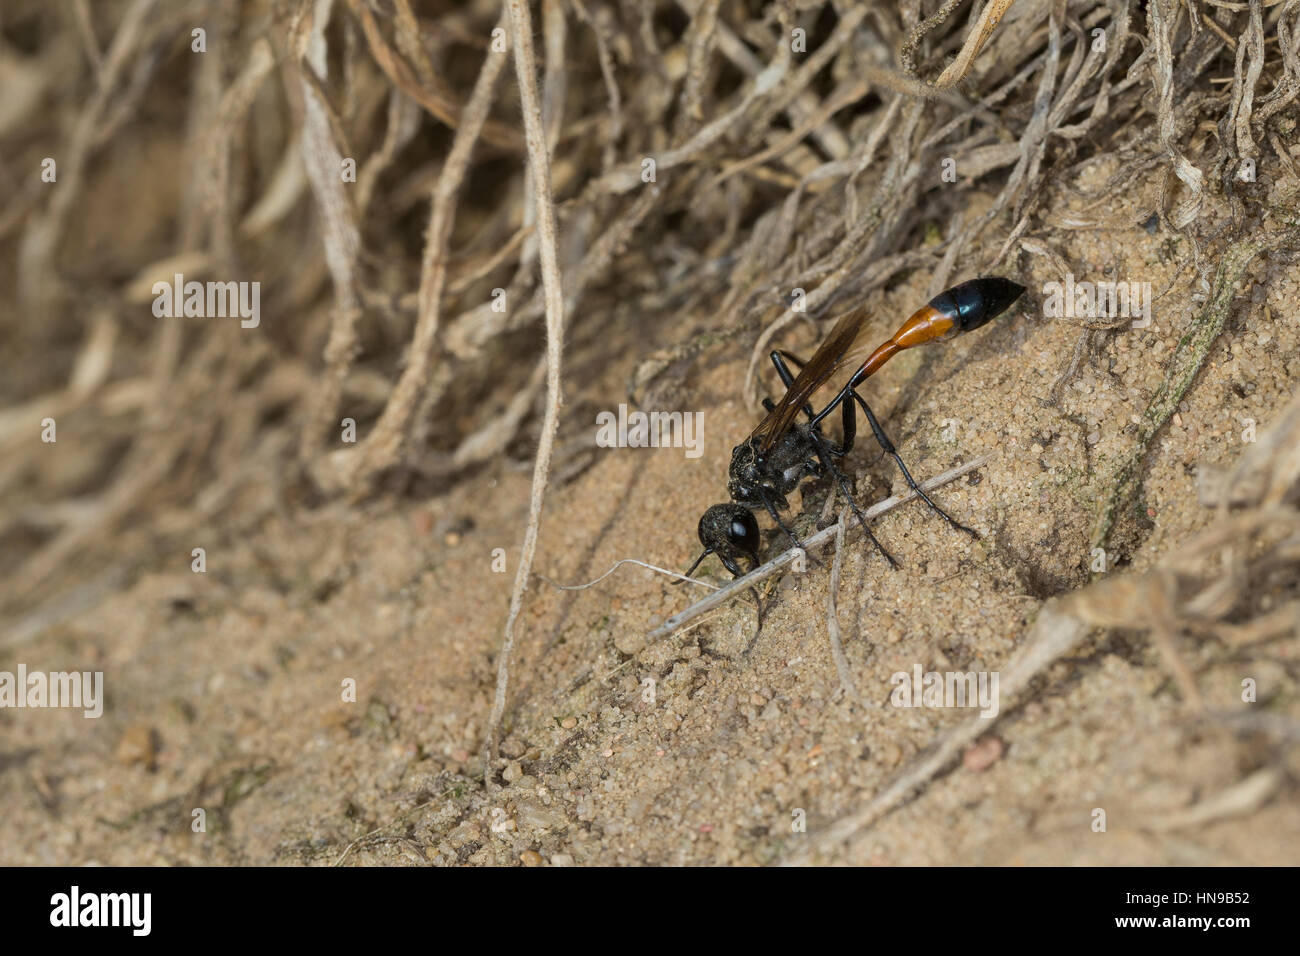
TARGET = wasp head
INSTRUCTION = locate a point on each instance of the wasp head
(730, 531)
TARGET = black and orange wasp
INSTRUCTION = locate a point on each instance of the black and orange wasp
(782, 451)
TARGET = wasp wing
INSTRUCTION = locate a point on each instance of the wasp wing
(834, 354)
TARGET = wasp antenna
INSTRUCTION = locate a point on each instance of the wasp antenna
(687, 573)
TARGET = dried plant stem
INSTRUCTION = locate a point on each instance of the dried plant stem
(323, 149)
(618, 564)
(832, 619)
(1184, 365)
(521, 32)
(383, 448)
(978, 35)
(436, 101)
(43, 234)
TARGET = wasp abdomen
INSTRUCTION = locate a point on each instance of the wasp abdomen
(976, 301)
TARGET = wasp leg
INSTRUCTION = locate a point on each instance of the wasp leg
(779, 358)
(848, 419)
(771, 509)
(849, 426)
(827, 450)
(890, 450)
(825, 453)
(731, 565)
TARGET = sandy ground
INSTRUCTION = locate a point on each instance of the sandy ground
(224, 688)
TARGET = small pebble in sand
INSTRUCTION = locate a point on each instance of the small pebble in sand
(561, 859)
(568, 723)
(983, 754)
(530, 858)
(889, 753)
(629, 642)
(138, 746)
(422, 522)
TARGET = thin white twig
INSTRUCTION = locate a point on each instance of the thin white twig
(615, 567)
(832, 619)
(521, 30)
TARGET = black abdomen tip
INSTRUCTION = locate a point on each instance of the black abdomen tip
(976, 301)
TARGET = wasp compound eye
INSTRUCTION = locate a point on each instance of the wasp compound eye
(743, 531)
